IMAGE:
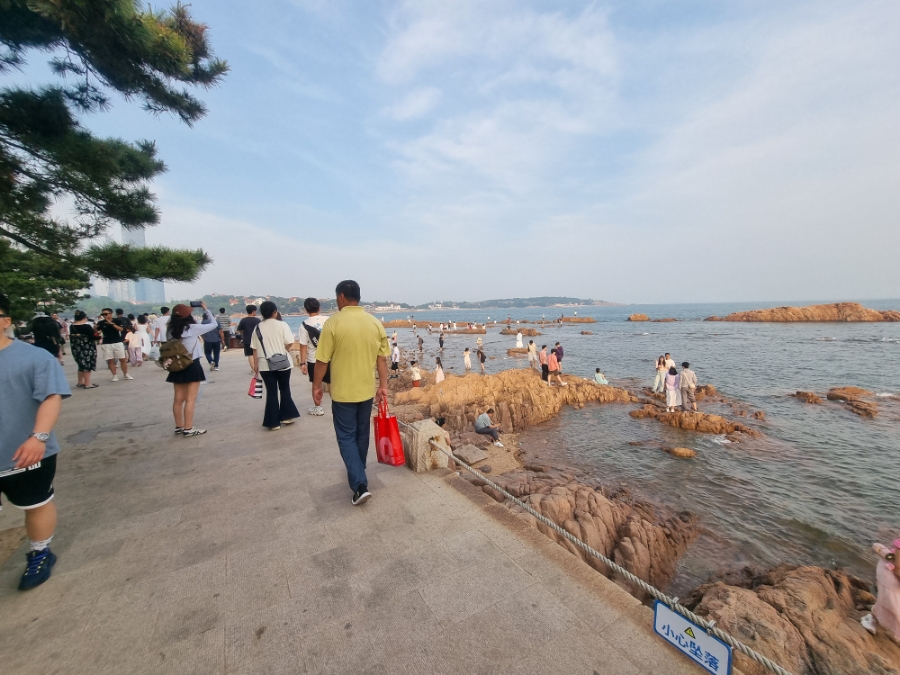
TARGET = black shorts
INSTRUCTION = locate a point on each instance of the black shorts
(311, 371)
(395, 365)
(248, 350)
(31, 487)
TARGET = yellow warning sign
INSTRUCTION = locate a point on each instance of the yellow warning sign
(690, 631)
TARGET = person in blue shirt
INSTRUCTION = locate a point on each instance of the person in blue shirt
(32, 387)
(599, 379)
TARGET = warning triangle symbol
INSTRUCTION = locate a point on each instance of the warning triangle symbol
(690, 631)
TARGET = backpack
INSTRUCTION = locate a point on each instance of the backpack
(174, 356)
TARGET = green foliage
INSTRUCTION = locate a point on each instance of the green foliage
(47, 156)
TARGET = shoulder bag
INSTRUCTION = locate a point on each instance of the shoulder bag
(276, 361)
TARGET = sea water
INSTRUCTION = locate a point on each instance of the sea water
(818, 488)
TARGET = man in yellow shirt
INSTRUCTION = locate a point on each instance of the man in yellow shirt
(354, 343)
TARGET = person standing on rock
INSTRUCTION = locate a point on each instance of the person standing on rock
(669, 362)
(395, 362)
(483, 425)
(659, 384)
(553, 368)
(688, 386)
(438, 370)
(467, 360)
(416, 374)
(354, 343)
(559, 355)
(545, 368)
(441, 342)
(673, 395)
(34, 386)
(519, 340)
(481, 359)
(421, 344)
(532, 354)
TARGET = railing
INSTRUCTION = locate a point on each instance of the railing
(708, 626)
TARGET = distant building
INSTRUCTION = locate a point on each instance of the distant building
(140, 290)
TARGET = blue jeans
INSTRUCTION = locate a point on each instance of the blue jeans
(351, 426)
(212, 350)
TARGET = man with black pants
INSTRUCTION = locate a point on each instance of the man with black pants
(212, 347)
(353, 343)
(32, 387)
(246, 327)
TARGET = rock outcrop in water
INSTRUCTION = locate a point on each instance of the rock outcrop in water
(519, 397)
(854, 397)
(840, 311)
(633, 533)
(578, 319)
(806, 619)
(527, 332)
(638, 317)
(703, 422)
(807, 397)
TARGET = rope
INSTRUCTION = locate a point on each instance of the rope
(708, 626)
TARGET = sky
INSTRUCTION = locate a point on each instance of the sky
(691, 151)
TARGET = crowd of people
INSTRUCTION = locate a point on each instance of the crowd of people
(679, 387)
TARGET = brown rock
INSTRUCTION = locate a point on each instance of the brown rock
(638, 317)
(807, 397)
(839, 311)
(853, 398)
(586, 332)
(519, 396)
(527, 332)
(633, 533)
(517, 351)
(759, 415)
(693, 421)
(681, 453)
(665, 320)
(704, 391)
(578, 319)
(803, 618)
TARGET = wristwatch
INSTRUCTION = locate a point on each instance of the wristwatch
(41, 436)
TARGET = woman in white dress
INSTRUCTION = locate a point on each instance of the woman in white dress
(519, 341)
(673, 390)
(141, 329)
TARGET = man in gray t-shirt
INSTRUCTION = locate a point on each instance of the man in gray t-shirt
(32, 387)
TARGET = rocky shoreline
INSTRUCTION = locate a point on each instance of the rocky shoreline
(804, 617)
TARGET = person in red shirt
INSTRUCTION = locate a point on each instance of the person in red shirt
(553, 369)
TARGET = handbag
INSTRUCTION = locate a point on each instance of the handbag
(276, 361)
(256, 388)
(388, 444)
(154, 353)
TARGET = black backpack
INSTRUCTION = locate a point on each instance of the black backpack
(314, 334)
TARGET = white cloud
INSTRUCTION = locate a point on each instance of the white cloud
(415, 104)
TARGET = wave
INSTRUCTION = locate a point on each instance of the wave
(885, 395)
(721, 440)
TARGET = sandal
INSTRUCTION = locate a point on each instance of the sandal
(80, 386)
(93, 386)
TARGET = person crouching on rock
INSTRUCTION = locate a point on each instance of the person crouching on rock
(484, 425)
(673, 390)
(416, 374)
(886, 611)
(599, 378)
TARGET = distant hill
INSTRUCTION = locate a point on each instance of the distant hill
(521, 303)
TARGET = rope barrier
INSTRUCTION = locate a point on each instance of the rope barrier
(708, 626)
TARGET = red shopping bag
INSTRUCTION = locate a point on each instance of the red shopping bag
(388, 445)
(256, 388)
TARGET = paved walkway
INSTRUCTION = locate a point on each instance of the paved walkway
(239, 552)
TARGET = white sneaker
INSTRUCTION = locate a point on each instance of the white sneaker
(318, 411)
(129, 377)
(498, 444)
(115, 378)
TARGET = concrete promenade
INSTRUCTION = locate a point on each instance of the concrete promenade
(239, 552)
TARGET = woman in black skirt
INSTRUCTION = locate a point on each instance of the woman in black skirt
(182, 326)
(84, 349)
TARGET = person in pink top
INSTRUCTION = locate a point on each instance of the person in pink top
(886, 610)
(545, 369)
(553, 369)
(673, 390)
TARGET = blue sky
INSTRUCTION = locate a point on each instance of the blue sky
(637, 152)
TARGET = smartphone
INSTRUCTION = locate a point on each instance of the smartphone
(196, 303)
